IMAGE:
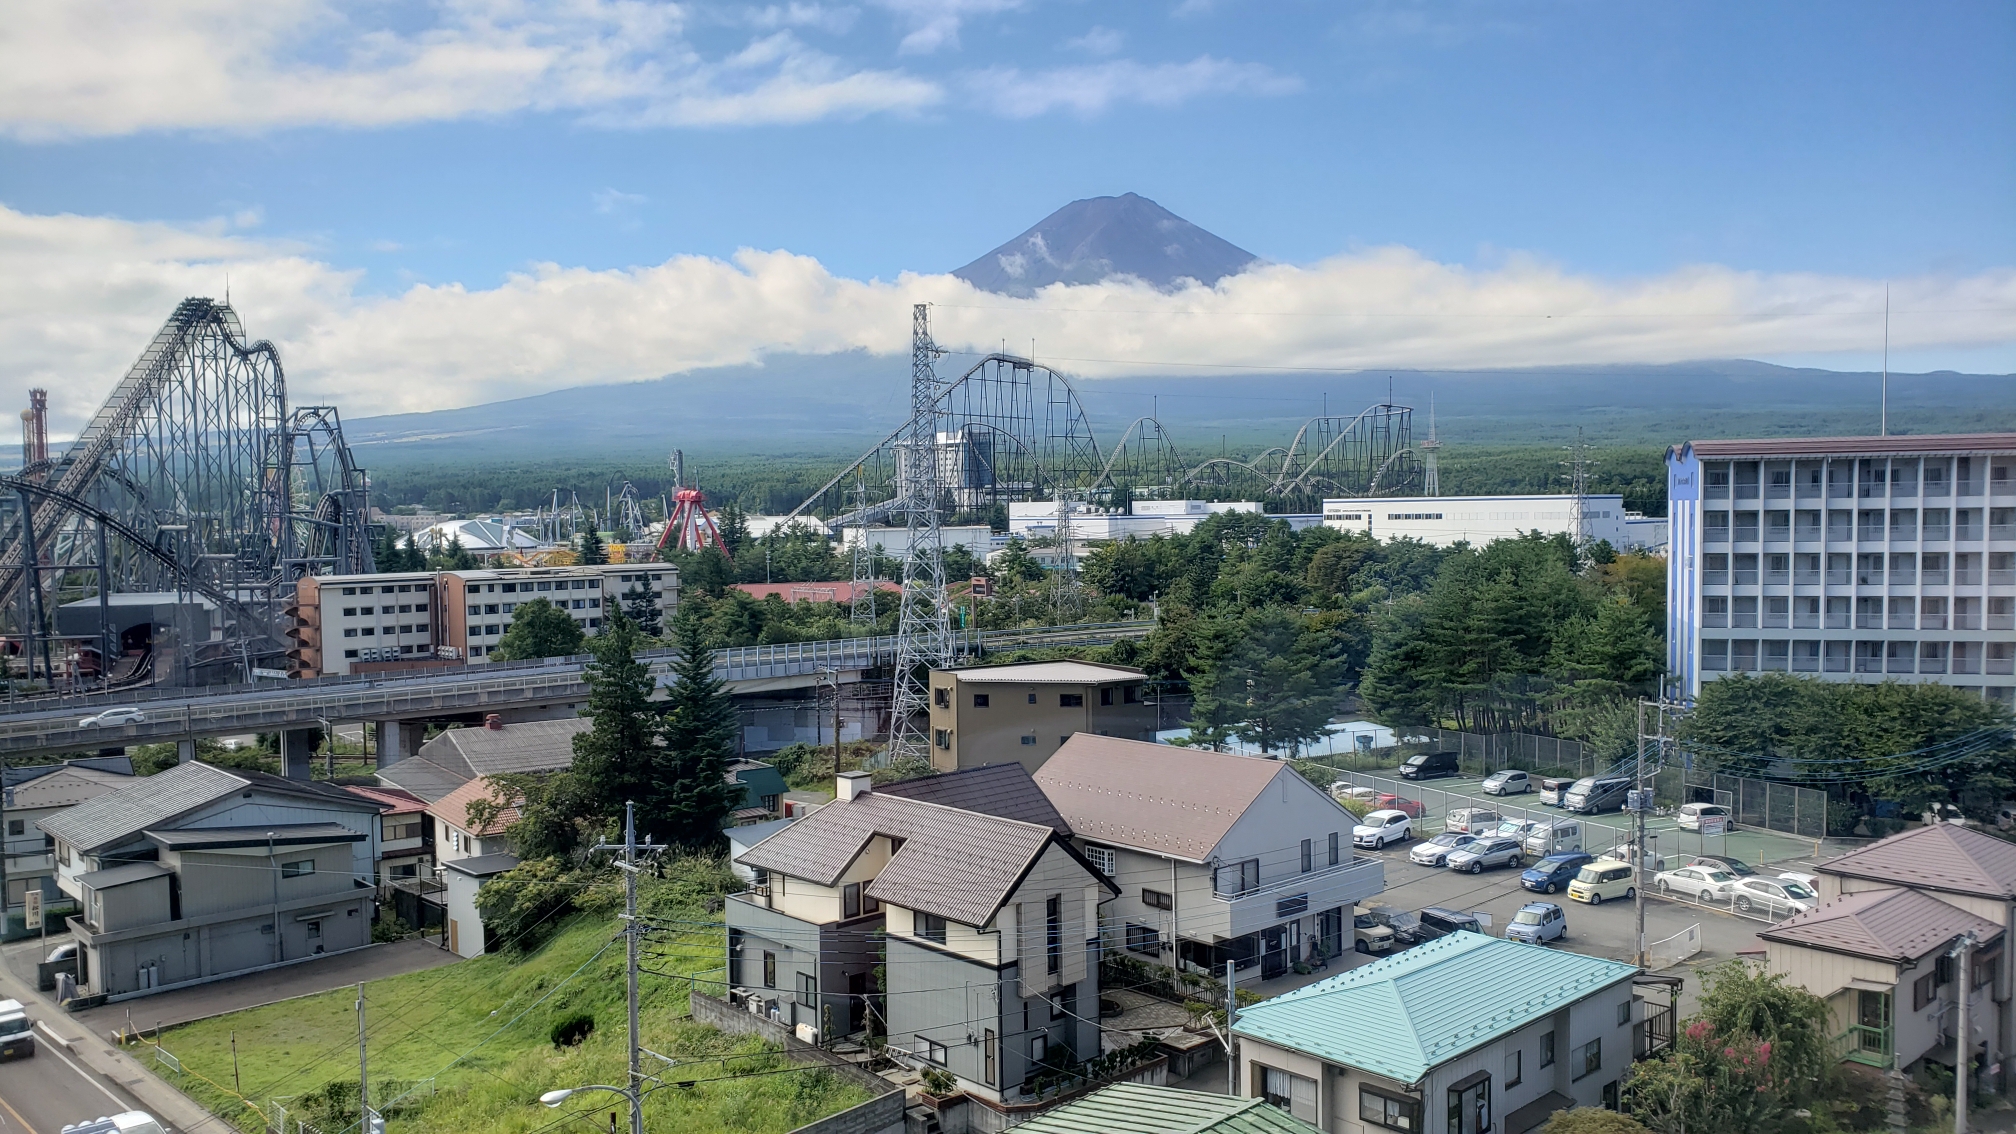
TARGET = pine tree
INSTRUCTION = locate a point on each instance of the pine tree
(385, 552)
(733, 524)
(691, 794)
(592, 551)
(614, 760)
(411, 558)
(640, 603)
(1265, 680)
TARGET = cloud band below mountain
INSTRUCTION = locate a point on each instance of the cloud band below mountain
(84, 294)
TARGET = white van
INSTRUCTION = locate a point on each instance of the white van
(1691, 815)
(1553, 838)
(1472, 820)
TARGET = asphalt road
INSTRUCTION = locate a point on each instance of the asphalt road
(48, 1092)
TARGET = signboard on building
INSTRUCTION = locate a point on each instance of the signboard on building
(32, 908)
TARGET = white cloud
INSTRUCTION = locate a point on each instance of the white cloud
(1091, 88)
(1098, 41)
(84, 294)
(101, 67)
(610, 200)
(935, 24)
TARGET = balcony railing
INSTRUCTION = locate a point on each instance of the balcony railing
(1272, 903)
(1864, 1044)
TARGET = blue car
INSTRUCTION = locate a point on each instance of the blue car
(1552, 874)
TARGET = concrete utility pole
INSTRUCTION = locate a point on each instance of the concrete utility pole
(633, 931)
(1963, 1043)
(364, 1123)
(1231, 1016)
(1638, 810)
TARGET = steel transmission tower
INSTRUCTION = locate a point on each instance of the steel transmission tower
(924, 627)
(862, 602)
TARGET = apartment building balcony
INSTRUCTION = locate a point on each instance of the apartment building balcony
(1269, 904)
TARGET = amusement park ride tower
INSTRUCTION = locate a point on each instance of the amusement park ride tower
(690, 527)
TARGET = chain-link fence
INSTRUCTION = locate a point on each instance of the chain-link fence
(1786, 808)
(1482, 753)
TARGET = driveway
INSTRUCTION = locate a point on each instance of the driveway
(180, 1006)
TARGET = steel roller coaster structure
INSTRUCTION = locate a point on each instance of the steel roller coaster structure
(195, 481)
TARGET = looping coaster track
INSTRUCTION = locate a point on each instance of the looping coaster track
(194, 478)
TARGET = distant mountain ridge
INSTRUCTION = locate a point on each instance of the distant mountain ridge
(1101, 237)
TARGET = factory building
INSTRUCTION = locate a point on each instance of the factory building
(419, 619)
(1848, 558)
(1478, 520)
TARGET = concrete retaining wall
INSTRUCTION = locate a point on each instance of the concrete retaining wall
(882, 1114)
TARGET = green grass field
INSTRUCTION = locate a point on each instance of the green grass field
(468, 1047)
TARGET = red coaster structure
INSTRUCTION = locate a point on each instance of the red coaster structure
(690, 527)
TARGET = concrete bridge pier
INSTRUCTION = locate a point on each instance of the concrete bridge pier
(297, 750)
(398, 739)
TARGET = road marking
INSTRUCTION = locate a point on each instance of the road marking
(89, 1078)
(17, 1116)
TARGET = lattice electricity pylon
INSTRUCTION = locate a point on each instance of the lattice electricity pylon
(196, 479)
(924, 625)
(861, 603)
(1006, 430)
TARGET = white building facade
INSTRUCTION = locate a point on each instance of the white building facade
(1851, 558)
(1478, 520)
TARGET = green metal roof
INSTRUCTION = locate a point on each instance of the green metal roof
(1135, 1108)
(1402, 1015)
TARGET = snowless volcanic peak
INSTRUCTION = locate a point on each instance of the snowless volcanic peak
(1090, 240)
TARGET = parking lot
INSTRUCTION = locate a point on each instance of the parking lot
(1714, 933)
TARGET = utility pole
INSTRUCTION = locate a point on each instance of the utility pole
(1231, 1017)
(1963, 1043)
(633, 931)
(1639, 806)
(364, 1124)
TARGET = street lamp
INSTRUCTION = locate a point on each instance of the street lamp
(555, 1098)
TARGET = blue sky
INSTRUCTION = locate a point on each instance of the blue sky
(452, 145)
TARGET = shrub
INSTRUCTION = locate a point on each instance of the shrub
(1592, 1120)
(940, 1082)
(570, 1030)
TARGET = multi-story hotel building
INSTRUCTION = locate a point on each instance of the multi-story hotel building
(361, 623)
(1848, 558)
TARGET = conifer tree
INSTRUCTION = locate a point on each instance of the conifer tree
(692, 795)
(640, 604)
(614, 760)
(592, 551)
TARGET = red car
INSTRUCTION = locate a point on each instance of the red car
(1412, 808)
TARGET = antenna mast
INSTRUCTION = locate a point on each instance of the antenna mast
(1431, 478)
(1884, 427)
(924, 627)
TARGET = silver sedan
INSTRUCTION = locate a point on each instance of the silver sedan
(1486, 853)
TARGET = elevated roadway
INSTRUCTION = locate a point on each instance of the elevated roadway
(47, 726)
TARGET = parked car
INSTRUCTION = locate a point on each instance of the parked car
(1810, 881)
(17, 1034)
(1653, 862)
(1382, 827)
(64, 952)
(1777, 897)
(1723, 862)
(1554, 789)
(1553, 874)
(113, 718)
(1509, 781)
(1537, 923)
(1435, 851)
(1486, 853)
(1516, 828)
(1554, 838)
(1413, 808)
(1701, 883)
(1435, 921)
(1342, 790)
(1602, 880)
(1690, 815)
(1372, 934)
(1472, 820)
(1429, 766)
(1593, 794)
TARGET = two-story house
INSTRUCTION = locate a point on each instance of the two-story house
(37, 793)
(1221, 857)
(458, 834)
(1466, 1034)
(201, 872)
(1882, 948)
(993, 714)
(405, 834)
(494, 748)
(988, 928)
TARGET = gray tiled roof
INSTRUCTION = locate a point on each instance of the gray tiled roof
(424, 778)
(1938, 857)
(1153, 797)
(1006, 790)
(532, 746)
(960, 865)
(153, 801)
(65, 787)
(1890, 925)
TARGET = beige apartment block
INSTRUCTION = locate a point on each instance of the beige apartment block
(1023, 713)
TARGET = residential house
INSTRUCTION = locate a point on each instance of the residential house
(763, 789)
(1141, 1108)
(37, 793)
(748, 835)
(1861, 967)
(460, 755)
(463, 879)
(1222, 858)
(1871, 953)
(201, 872)
(1466, 1034)
(405, 834)
(992, 714)
(989, 927)
(460, 835)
